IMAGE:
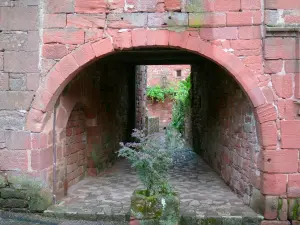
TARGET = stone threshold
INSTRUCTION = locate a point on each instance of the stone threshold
(122, 219)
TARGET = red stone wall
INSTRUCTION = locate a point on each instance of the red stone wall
(76, 146)
(163, 110)
(50, 41)
(224, 129)
(166, 74)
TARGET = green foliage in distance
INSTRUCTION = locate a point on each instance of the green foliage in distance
(159, 94)
(181, 104)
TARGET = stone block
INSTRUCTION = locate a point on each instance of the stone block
(33, 81)
(13, 203)
(59, 6)
(55, 20)
(23, 137)
(17, 84)
(282, 209)
(293, 188)
(207, 19)
(271, 207)
(146, 6)
(219, 33)
(14, 160)
(12, 120)
(280, 48)
(12, 193)
(91, 6)
(290, 137)
(12, 100)
(20, 18)
(40, 201)
(167, 19)
(13, 41)
(4, 81)
(63, 36)
(250, 4)
(208, 6)
(33, 42)
(41, 159)
(273, 184)
(246, 44)
(273, 66)
(269, 134)
(173, 5)
(283, 85)
(275, 222)
(257, 201)
(86, 20)
(54, 51)
(266, 113)
(282, 4)
(239, 18)
(126, 20)
(250, 32)
(291, 66)
(283, 161)
(19, 62)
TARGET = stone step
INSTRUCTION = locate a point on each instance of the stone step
(121, 219)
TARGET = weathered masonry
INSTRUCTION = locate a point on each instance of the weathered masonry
(69, 85)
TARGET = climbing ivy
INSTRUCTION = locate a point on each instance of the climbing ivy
(181, 104)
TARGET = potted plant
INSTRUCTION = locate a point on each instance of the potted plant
(152, 156)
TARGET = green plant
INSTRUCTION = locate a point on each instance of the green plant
(181, 104)
(156, 93)
(159, 94)
(152, 157)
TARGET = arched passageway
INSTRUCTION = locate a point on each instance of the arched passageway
(110, 88)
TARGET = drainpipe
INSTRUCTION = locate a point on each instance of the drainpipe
(54, 155)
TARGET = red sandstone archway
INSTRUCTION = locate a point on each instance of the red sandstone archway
(67, 68)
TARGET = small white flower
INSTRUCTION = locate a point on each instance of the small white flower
(163, 202)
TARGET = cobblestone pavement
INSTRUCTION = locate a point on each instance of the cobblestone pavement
(201, 190)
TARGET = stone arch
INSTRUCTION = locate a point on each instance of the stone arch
(68, 67)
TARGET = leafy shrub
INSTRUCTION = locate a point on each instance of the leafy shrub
(156, 93)
(159, 94)
(181, 104)
(152, 157)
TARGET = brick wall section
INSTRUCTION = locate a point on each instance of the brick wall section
(224, 128)
(163, 110)
(76, 146)
(281, 71)
(19, 59)
(166, 74)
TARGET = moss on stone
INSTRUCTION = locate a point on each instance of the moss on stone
(3, 181)
(295, 210)
(162, 208)
(40, 201)
(279, 207)
(13, 193)
(194, 6)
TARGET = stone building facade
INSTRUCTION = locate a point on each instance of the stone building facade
(62, 58)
